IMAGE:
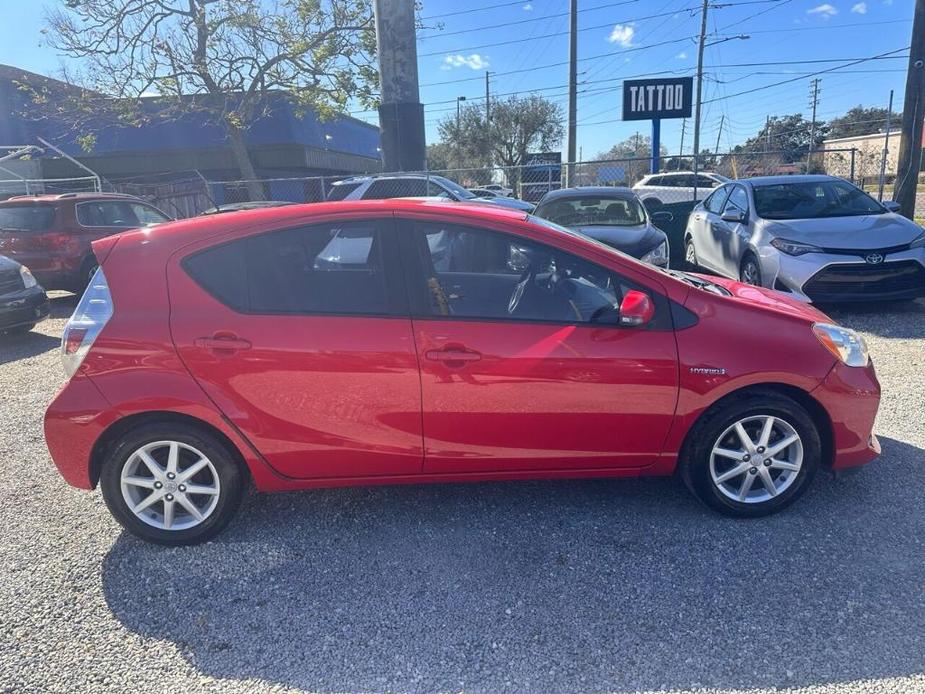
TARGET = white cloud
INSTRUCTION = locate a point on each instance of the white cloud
(622, 34)
(473, 61)
(682, 55)
(528, 7)
(825, 10)
(859, 8)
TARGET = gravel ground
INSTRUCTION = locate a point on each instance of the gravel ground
(608, 585)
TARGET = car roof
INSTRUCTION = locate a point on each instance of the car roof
(384, 177)
(194, 228)
(47, 197)
(775, 180)
(590, 191)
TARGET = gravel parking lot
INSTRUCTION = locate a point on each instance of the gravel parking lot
(549, 586)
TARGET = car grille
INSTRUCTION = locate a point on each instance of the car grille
(864, 252)
(10, 281)
(863, 281)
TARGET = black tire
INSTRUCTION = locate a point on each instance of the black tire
(18, 330)
(696, 455)
(690, 254)
(230, 477)
(750, 271)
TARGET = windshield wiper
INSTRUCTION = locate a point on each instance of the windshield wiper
(703, 284)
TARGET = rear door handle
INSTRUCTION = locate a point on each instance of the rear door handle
(222, 343)
(454, 356)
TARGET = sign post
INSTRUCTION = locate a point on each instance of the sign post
(656, 99)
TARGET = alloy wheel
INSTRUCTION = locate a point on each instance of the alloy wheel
(756, 459)
(750, 273)
(170, 485)
(690, 255)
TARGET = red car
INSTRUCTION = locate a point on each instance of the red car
(408, 341)
(51, 234)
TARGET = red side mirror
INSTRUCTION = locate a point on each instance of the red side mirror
(636, 309)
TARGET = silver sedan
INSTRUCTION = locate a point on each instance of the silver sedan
(818, 238)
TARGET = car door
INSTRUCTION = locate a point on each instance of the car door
(301, 336)
(707, 234)
(734, 235)
(516, 376)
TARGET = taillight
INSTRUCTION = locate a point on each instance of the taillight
(54, 241)
(92, 313)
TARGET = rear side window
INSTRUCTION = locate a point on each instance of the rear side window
(341, 191)
(107, 213)
(322, 269)
(396, 188)
(26, 217)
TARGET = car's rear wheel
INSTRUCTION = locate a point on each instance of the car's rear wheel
(690, 254)
(173, 484)
(750, 272)
(752, 455)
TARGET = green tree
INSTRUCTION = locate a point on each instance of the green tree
(219, 58)
(787, 136)
(861, 121)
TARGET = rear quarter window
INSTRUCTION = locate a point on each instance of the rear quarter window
(26, 217)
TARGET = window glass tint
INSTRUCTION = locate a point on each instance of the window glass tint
(715, 202)
(145, 214)
(813, 199)
(738, 199)
(683, 181)
(335, 268)
(26, 217)
(473, 273)
(619, 211)
(107, 213)
(706, 182)
(655, 181)
(340, 192)
(382, 189)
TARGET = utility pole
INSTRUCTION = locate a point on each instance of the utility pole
(487, 99)
(401, 113)
(681, 148)
(910, 144)
(886, 148)
(700, 46)
(459, 99)
(814, 103)
(572, 88)
(719, 134)
(767, 134)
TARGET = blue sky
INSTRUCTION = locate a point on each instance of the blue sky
(525, 45)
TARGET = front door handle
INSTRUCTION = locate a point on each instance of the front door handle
(452, 356)
(222, 342)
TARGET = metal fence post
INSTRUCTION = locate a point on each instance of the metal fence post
(853, 151)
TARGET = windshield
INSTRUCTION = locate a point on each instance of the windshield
(615, 211)
(813, 200)
(456, 189)
(26, 217)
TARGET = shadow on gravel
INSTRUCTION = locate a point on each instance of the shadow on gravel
(545, 586)
(900, 319)
(16, 346)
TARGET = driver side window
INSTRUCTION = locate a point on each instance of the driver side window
(478, 274)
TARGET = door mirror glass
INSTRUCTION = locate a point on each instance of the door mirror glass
(636, 309)
(735, 215)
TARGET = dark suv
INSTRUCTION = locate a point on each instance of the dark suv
(51, 234)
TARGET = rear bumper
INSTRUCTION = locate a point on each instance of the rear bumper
(25, 307)
(851, 397)
(74, 421)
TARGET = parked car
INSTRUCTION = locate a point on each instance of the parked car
(51, 234)
(614, 216)
(498, 189)
(656, 190)
(818, 238)
(23, 302)
(413, 185)
(469, 343)
(249, 205)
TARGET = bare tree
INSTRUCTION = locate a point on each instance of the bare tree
(220, 58)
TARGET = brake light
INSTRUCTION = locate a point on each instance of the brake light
(53, 242)
(92, 313)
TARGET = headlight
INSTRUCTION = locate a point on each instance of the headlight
(658, 255)
(27, 279)
(845, 344)
(919, 242)
(794, 247)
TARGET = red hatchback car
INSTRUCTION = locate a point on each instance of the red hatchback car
(404, 341)
(52, 234)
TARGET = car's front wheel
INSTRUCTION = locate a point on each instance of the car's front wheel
(752, 455)
(173, 484)
(690, 254)
(750, 272)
